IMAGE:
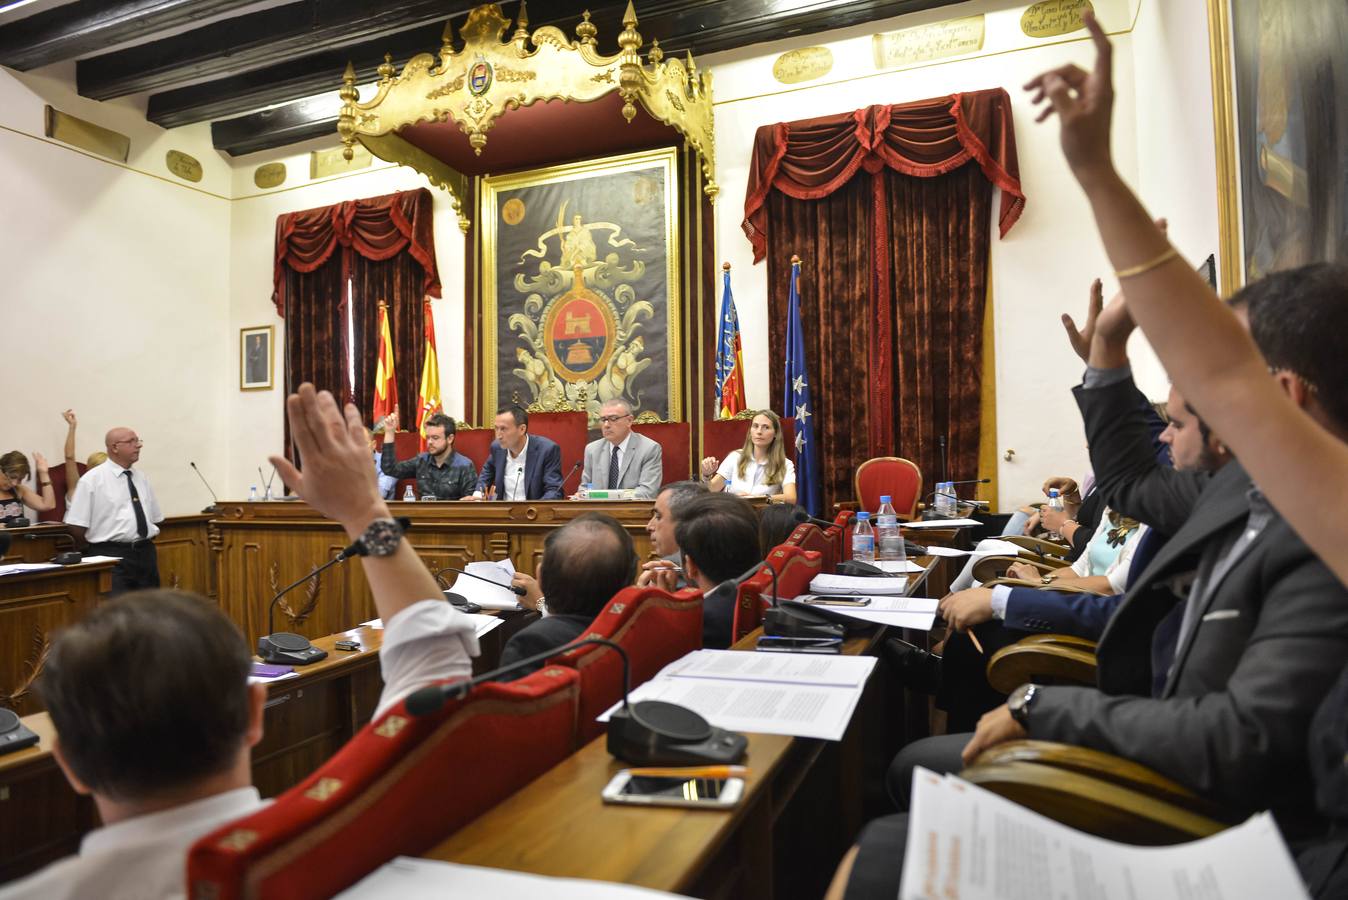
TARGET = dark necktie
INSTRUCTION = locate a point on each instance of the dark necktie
(142, 526)
(613, 470)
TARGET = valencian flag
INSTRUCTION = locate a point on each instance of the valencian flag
(385, 386)
(797, 402)
(729, 356)
(428, 403)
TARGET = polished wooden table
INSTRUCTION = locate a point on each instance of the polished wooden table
(803, 806)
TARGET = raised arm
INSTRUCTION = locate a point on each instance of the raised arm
(1209, 356)
(72, 467)
(44, 498)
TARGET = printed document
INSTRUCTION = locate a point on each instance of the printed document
(405, 878)
(475, 590)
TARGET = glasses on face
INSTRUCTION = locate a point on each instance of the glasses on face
(609, 420)
(137, 441)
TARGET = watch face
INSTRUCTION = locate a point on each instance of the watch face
(381, 537)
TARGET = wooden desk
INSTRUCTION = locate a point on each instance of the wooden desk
(33, 605)
(37, 543)
(262, 547)
(802, 808)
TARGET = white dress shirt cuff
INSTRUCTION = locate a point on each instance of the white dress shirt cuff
(1000, 595)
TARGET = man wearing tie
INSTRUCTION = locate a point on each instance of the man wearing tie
(520, 466)
(622, 459)
(115, 511)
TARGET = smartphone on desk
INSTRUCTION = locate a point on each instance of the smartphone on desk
(835, 600)
(772, 644)
(697, 793)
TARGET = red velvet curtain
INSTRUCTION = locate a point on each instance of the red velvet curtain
(928, 169)
(386, 247)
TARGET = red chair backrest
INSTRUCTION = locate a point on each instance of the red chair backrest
(720, 436)
(899, 478)
(399, 786)
(675, 448)
(58, 485)
(795, 569)
(812, 537)
(840, 532)
(749, 604)
(654, 627)
(571, 432)
(474, 443)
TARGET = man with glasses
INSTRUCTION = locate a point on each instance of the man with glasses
(622, 459)
(114, 512)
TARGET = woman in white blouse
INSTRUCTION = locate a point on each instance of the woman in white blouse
(760, 468)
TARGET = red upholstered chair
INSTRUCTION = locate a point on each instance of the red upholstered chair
(839, 532)
(675, 448)
(474, 443)
(571, 432)
(720, 436)
(892, 475)
(795, 569)
(812, 537)
(654, 627)
(401, 785)
(750, 602)
(406, 444)
(58, 485)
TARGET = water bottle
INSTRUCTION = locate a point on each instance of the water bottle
(1054, 502)
(945, 500)
(863, 539)
(408, 495)
(252, 494)
(888, 540)
(266, 495)
(584, 490)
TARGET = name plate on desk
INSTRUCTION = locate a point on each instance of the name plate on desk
(609, 494)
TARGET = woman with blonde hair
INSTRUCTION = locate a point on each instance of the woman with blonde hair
(15, 495)
(760, 467)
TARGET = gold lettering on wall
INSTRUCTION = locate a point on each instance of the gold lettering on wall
(269, 176)
(1054, 17)
(185, 167)
(953, 37)
(323, 163)
(805, 64)
(86, 135)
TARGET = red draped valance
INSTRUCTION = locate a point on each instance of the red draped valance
(812, 158)
(377, 228)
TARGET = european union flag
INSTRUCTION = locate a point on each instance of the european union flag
(797, 402)
(729, 356)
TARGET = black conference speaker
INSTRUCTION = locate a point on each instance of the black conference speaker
(656, 733)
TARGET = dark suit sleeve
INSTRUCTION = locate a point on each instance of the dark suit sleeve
(1244, 744)
(465, 479)
(390, 465)
(1128, 477)
(1055, 612)
(488, 476)
(552, 474)
(1088, 518)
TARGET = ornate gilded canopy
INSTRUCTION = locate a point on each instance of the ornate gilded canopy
(474, 87)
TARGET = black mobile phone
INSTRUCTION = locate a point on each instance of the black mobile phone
(772, 644)
(347, 645)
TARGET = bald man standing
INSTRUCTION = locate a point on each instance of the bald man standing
(115, 512)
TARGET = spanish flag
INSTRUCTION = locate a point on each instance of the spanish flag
(429, 401)
(385, 383)
(729, 356)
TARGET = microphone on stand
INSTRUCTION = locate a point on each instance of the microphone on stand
(645, 733)
(215, 506)
(569, 474)
(287, 648)
(945, 473)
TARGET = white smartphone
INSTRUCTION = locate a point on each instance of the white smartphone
(698, 793)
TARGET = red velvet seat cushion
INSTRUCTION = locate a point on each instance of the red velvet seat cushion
(675, 450)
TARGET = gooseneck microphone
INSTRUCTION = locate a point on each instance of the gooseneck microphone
(646, 733)
(215, 505)
(288, 648)
(569, 474)
(509, 587)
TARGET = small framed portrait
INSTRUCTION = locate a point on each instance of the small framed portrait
(255, 356)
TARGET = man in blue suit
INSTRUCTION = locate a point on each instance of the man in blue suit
(520, 466)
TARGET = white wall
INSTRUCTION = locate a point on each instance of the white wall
(115, 297)
(127, 286)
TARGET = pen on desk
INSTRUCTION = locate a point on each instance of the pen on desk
(691, 772)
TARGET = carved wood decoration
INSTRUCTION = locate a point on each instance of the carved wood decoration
(489, 77)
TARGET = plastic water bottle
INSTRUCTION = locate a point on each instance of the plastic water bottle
(266, 495)
(252, 494)
(945, 500)
(584, 490)
(863, 539)
(888, 539)
(1054, 502)
(408, 495)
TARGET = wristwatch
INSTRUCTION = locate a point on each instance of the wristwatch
(381, 537)
(1047, 579)
(1018, 704)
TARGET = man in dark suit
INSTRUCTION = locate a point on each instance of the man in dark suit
(520, 466)
(585, 562)
(1212, 666)
(718, 534)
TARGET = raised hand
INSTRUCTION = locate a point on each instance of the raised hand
(391, 422)
(1083, 102)
(40, 463)
(709, 466)
(1080, 339)
(69, 416)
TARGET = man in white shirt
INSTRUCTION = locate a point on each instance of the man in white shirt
(115, 512)
(622, 458)
(150, 692)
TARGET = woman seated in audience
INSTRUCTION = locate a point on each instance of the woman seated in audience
(15, 495)
(760, 467)
(1110, 551)
(776, 523)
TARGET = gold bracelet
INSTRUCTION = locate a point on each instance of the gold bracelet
(1167, 256)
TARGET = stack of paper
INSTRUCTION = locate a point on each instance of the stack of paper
(405, 878)
(896, 612)
(769, 693)
(969, 843)
(485, 595)
(19, 568)
(857, 584)
(897, 566)
(940, 523)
